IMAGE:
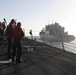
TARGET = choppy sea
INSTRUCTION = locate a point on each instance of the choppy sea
(68, 46)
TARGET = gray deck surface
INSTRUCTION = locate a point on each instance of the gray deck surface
(43, 60)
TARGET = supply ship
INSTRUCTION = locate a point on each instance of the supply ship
(55, 33)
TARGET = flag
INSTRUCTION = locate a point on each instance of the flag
(30, 32)
(4, 20)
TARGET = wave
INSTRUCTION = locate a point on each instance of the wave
(68, 46)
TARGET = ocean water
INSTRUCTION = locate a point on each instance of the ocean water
(70, 46)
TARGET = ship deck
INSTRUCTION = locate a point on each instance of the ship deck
(41, 60)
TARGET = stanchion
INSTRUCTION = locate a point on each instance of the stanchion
(62, 42)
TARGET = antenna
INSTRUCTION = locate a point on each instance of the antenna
(55, 21)
(52, 21)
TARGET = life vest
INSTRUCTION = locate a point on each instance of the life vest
(17, 33)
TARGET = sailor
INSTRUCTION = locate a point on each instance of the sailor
(18, 34)
(9, 34)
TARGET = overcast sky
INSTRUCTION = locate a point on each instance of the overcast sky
(35, 14)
